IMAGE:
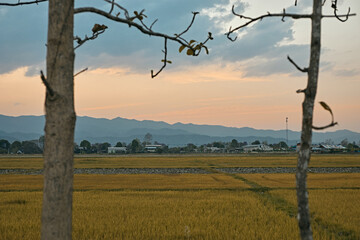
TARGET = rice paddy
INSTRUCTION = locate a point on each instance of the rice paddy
(185, 161)
(187, 206)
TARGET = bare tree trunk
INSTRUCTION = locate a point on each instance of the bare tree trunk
(60, 123)
(307, 123)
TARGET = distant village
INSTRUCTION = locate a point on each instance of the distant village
(147, 145)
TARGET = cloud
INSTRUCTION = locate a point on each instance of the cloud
(347, 72)
(23, 37)
(260, 50)
(3, 12)
(221, 15)
(121, 46)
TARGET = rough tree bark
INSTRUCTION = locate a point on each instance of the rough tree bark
(60, 122)
(307, 123)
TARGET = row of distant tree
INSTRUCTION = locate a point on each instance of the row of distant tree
(17, 147)
(137, 146)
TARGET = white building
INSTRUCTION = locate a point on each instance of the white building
(116, 149)
(214, 149)
(152, 148)
(257, 147)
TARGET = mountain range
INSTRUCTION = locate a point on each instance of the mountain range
(98, 130)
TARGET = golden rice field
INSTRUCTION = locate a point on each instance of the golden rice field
(155, 215)
(185, 161)
(316, 180)
(188, 206)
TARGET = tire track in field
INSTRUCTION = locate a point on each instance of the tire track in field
(264, 194)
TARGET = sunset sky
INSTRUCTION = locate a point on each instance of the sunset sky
(247, 83)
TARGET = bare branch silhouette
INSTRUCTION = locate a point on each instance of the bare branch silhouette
(22, 3)
(283, 15)
(333, 123)
(97, 30)
(84, 70)
(195, 49)
(334, 6)
(298, 68)
(165, 61)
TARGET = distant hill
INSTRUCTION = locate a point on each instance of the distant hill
(178, 134)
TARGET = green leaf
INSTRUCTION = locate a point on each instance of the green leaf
(181, 48)
(170, 62)
(190, 52)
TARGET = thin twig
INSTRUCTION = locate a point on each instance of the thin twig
(298, 68)
(112, 6)
(94, 36)
(300, 90)
(22, 3)
(126, 13)
(165, 61)
(85, 69)
(334, 6)
(282, 15)
(327, 108)
(325, 127)
(153, 24)
(191, 23)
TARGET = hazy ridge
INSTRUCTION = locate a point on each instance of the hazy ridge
(178, 134)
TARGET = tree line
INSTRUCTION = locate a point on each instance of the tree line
(23, 147)
(138, 146)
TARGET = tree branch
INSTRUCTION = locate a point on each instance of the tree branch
(113, 3)
(97, 30)
(333, 123)
(22, 3)
(298, 68)
(283, 15)
(45, 82)
(112, 6)
(334, 6)
(85, 69)
(165, 61)
(325, 127)
(129, 22)
(191, 23)
(300, 91)
(194, 49)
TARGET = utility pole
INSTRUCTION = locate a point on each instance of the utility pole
(287, 138)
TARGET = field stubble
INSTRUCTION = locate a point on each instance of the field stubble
(185, 161)
(188, 206)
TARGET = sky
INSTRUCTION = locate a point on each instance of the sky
(247, 83)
